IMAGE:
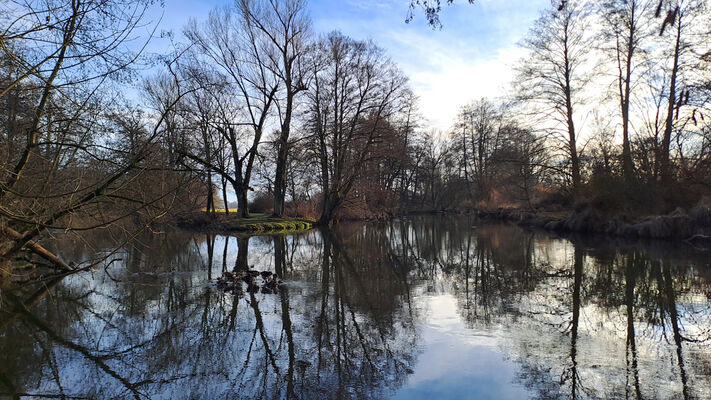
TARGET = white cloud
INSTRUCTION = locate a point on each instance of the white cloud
(470, 58)
(457, 82)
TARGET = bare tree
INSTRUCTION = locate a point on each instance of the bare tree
(680, 20)
(355, 89)
(553, 77)
(58, 61)
(286, 28)
(230, 43)
(478, 134)
(626, 28)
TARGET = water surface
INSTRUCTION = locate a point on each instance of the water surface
(429, 307)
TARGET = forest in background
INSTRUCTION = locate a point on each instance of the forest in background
(610, 109)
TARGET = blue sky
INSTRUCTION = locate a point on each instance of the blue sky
(469, 58)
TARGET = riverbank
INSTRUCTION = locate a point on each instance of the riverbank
(232, 223)
(693, 226)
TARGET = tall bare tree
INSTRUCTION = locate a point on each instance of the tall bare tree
(678, 26)
(239, 51)
(553, 77)
(287, 29)
(479, 134)
(626, 30)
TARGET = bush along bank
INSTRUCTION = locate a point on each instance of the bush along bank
(694, 226)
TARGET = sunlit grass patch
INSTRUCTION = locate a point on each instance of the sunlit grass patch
(256, 223)
(263, 223)
(221, 210)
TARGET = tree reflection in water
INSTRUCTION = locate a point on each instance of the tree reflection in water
(578, 319)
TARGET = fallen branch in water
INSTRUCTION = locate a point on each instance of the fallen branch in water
(59, 275)
(705, 238)
(37, 249)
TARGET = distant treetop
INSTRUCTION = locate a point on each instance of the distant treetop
(431, 9)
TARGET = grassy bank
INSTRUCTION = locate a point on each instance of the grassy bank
(255, 223)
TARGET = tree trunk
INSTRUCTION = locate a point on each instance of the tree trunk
(242, 204)
(241, 187)
(624, 87)
(282, 156)
(36, 249)
(224, 196)
(280, 178)
(572, 144)
(665, 164)
(331, 202)
(209, 207)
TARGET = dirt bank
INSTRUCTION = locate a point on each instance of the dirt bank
(694, 225)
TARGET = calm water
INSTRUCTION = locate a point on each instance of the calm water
(428, 308)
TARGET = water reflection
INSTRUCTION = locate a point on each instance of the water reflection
(419, 308)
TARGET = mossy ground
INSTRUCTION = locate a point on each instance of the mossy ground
(255, 223)
(265, 223)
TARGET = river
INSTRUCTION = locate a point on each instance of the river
(421, 308)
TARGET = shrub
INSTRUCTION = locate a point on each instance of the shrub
(262, 203)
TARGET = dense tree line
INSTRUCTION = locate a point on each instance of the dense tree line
(326, 126)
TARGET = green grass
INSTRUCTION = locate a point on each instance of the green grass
(256, 223)
(263, 223)
(276, 226)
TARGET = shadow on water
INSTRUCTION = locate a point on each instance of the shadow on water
(572, 318)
